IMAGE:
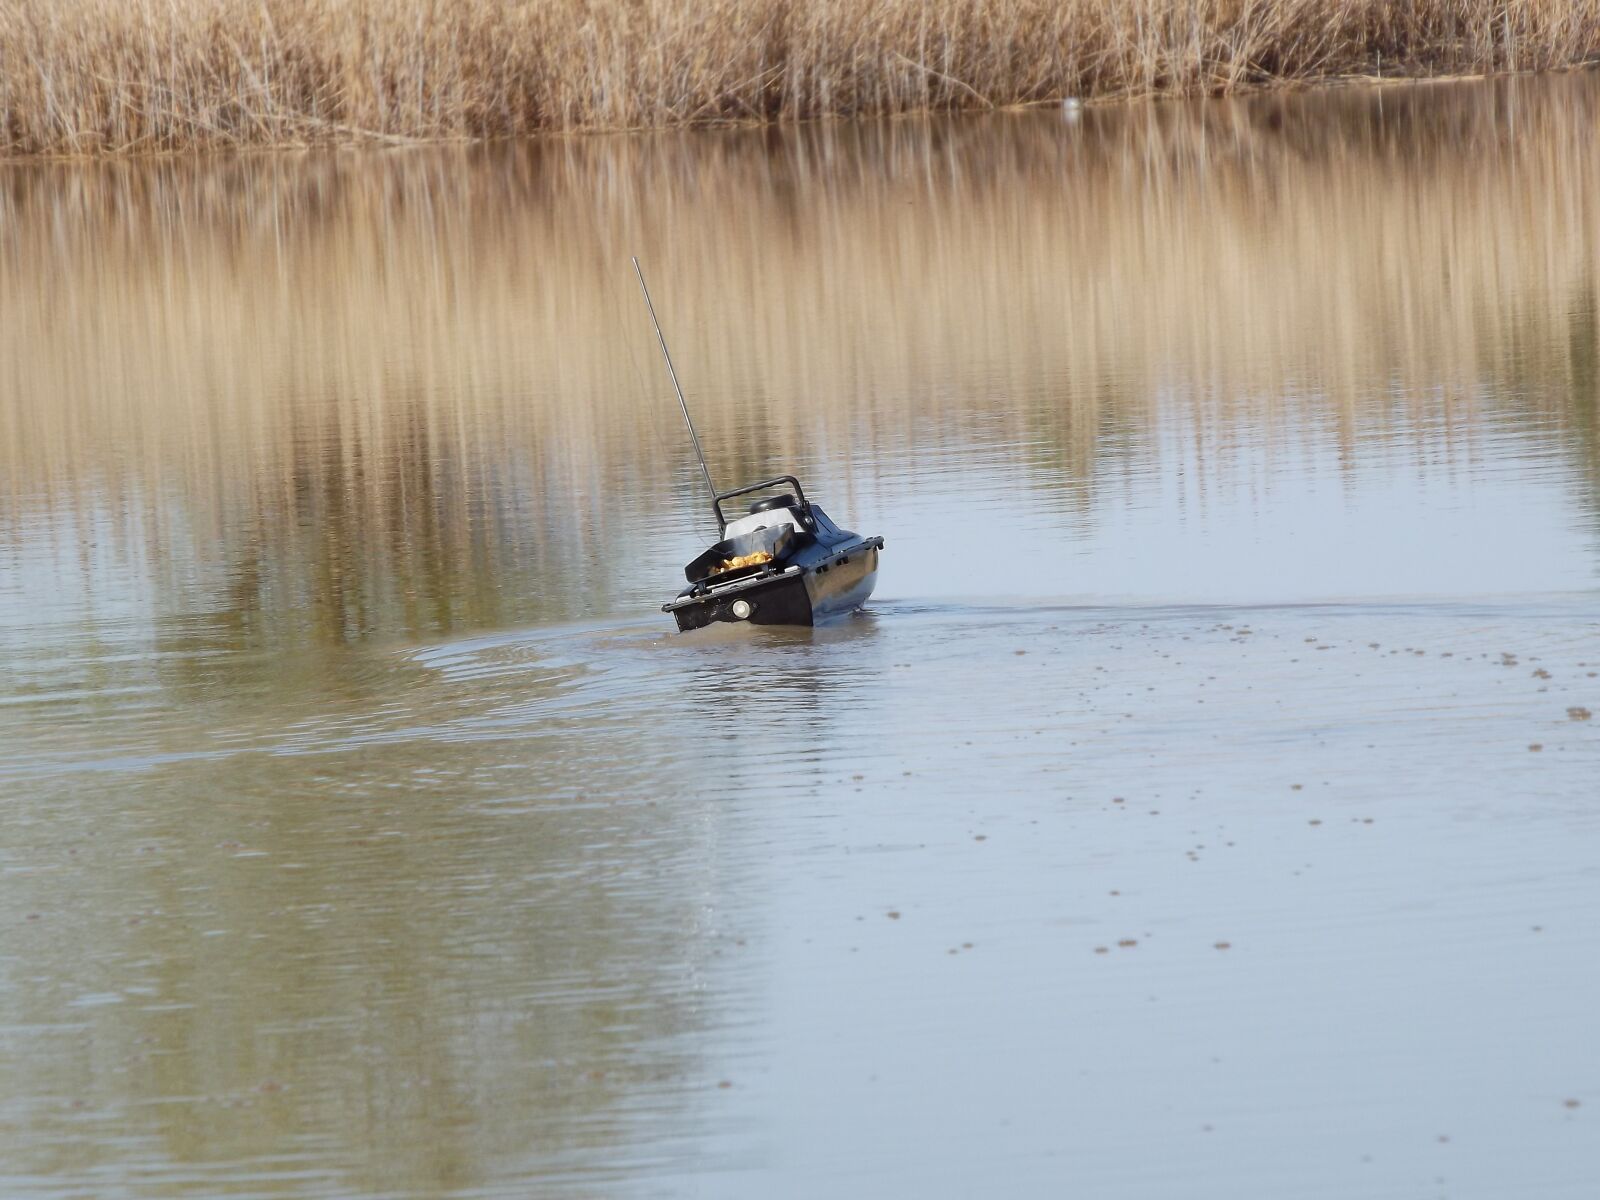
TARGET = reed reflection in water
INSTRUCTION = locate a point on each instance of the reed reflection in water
(331, 395)
(367, 835)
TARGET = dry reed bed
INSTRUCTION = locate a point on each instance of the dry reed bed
(95, 76)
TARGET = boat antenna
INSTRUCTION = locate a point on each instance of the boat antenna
(676, 386)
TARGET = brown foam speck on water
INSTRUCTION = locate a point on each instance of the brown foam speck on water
(1128, 943)
(1314, 821)
(1578, 713)
(1102, 950)
(1572, 1103)
(893, 915)
(1224, 946)
(1535, 747)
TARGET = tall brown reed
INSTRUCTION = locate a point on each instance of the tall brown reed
(92, 76)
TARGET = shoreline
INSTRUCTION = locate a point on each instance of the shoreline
(354, 138)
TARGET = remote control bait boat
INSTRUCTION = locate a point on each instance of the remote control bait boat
(783, 562)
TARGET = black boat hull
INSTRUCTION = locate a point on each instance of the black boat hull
(832, 585)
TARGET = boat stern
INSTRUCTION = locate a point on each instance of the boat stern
(778, 598)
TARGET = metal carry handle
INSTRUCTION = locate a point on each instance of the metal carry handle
(799, 492)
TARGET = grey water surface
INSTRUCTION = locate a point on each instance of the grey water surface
(1206, 805)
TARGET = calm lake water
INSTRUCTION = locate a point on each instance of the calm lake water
(1206, 806)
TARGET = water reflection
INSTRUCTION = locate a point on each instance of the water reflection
(335, 395)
